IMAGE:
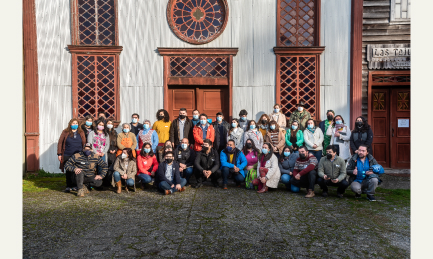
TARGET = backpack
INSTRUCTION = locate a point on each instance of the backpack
(251, 175)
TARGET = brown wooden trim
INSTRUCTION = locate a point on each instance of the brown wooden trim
(31, 85)
(166, 73)
(356, 61)
(74, 86)
(230, 83)
(369, 96)
(117, 87)
(299, 50)
(278, 79)
(318, 18)
(82, 49)
(197, 81)
(116, 23)
(318, 88)
(198, 51)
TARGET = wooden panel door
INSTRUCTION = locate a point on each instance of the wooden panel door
(400, 128)
(380, 126)
(213, 100)
(181, 98)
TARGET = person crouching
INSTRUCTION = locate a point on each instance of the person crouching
(168, 178)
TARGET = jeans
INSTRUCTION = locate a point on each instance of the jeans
(237, 176)
(342, 186)
(187, 173)
(165, 186)
(129, 182)
(306, 181)
(214, 176)
(317, 154)
(370, 185)
(81, 179)
(145, 178)
(285, 179)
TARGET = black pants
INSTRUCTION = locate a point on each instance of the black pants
(307, 180)
(338, 149)
(69, 174)
(342, 186)
(200, 176)
(81, 179)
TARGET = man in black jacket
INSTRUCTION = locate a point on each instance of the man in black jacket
(221, 127)
(181, 128)
(185, 157)
(207, 164)
(168, 178)
(135, 125)
(243, 121)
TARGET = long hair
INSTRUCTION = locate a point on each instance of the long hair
(277, 127)
(365, 127)
(79, 130)
(333, 120)
(83, 124)
(292, 131)
(268, 155)
(111, 132)
(166, 116)
(231, 128)
(162, 150)
(314, 123)
(143, 154)
(282, 153)
(249, 124)
(261, 118)
(129, 153)
(105, 130)
(253, 146)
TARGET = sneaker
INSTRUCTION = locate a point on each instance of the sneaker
(357, 195)
(371, 197)
(310, 194)
(86, 190)
(167, 192)
(182, 189)
(224, 186)
(339, 195)
(325, 194)
(67, 189)
(198, 185)
(80, 192)
(74, 189)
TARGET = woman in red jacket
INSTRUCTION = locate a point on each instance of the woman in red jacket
(147, 164)
(203, 130)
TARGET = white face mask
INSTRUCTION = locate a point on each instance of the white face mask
(300, 108)
(124, 155)
(110, 126)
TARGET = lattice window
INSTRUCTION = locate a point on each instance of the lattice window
(96, 22)
(197, 21)
(400, 11)
(298, 83)
(297, 20)
(403, 101)
(96, 77)
(391, 78)
(199, 66)
(379, 102)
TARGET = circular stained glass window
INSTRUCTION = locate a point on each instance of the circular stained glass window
(197, 21)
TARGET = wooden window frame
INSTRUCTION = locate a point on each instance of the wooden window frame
(392, 19)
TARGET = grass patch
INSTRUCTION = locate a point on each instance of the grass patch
(43, 184)
(41, 173)
(396, 196)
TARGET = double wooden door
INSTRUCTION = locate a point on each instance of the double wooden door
(206, 99)
(390, 113)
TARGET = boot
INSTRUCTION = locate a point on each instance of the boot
(310, 194)
(80, 192)
(264, 189)
(119, 187)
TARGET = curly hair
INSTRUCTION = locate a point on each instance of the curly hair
(166, 116)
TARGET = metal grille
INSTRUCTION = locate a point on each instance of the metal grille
(197, 21)
(96, 86)
(403, 101)
(199, 66)
(391, 79)
(379, 102)
(96, 22)
(298, 83)
(297, 26)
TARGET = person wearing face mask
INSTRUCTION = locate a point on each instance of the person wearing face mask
(332, 172)
(195, 118)
(268, 173)
(89, 169)
(87, 126)
(278, 116)
(112, 150)
(237, 134)
(168, 146)
(313, 138)
(361, 135)
(301, 115)
(304, 173)
(126, 139)
(276, 137)
(185, 157)
(162, 127)
(181, 128)
(324, 125)
(206, 165)
(294, 137)
(233, 162)
(100, 139)
(168, 178)
(243, 121)
(202, 132)
(136, 126)
(340, 137)
(71, 141)
(103, 116)
(263, 124)
(254, 134)
(222, 128)
(147, 165)
(125, 168)
(286, 163)
(251, 153)
(147, 135)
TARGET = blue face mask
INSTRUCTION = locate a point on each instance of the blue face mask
(272, 127)
(338, 122)
(209, 120)
(252, 126)
(294, 127)
(229, 149)
(89, 123)
(243, 118)
(219, 118)
(126, 130)
(195, 117)
(134, 120)
(145, 126)
(276, 110)
(147, 150)
(265, 151)
(74, 127)
(310, 126)
(286, 153)
(234, 125)
(184, 146)
(203, 122)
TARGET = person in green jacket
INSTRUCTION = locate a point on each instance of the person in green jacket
(294, 137)
(301, 115)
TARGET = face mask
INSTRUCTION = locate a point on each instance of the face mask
(87, 152)
(195, 117)
(74, 127)
(229, 149)
(147, 150)
(276, 110)
(100, 127)
(300, 109)
(182, 116)
(169, 147)
(134, 120)
(160, 117)
(126, 130)
(310, 126)
(184, 146)
(329, 156)
(338, 122)
(302, 156)
(359, 124)
(272, 127)
(249, 145)
(294, 127)
(205, 149)
(234, 125)
(330, 117)
(252, 126)
(219, 118)
(264, 121)
(265, 151)
(110, 126)
(286, 153)
(209, 120)
(169, 160)
(145, 126)
(203, 122)
(124, 155)
(89, 123)
(243, 118)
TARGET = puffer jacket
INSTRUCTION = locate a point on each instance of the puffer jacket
(313, 138)
(198, 136)
(205, 161)
(130, 171)
(241, 161)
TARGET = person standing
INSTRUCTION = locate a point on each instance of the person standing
(301, 115)
(276, 137)
(304, 173)
(206, 164)
(323, 125)
(313, 138)
(71, 141)
(222, 128)
(332, 172)
(111, 154)
(202, 132)
(87, 126)
(168, 178)
(361, 135)
(286, 164)
(135, 125)
(126, 139)
(253, 134)
(243, 121)
(162, 127)
(340, 137)
(263, 124)
(268, 173)
(233, 162)
(147, 165)
(99, 139)
(278, 116)
(181, 128)
(125, 168)
(237, 134)
(294, 137)
(147, 135)
(195, 118)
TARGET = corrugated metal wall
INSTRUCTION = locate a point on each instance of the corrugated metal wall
(143, 28)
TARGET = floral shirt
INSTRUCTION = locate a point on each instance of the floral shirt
(100, 142)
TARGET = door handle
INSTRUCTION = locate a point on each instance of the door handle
(393, 132)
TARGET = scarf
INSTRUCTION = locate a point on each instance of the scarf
(311, 130)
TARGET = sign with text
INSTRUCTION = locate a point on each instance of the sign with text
(388, 56)
(403, 123)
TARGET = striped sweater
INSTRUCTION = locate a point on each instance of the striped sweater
(88, 164)
(304, 166)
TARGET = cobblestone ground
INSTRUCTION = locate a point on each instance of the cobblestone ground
(213, 223)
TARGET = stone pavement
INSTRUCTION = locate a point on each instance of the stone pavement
(213, 223)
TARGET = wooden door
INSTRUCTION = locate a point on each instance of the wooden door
(400, 128)
(181, 98)
(380, 125)
(213, 100)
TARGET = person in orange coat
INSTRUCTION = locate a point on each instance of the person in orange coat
(203, 131)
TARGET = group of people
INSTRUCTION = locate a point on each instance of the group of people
(261, 154)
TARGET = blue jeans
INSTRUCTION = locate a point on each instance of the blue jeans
(285, 178)
(187, 173)
(317, 154)
(165, 186)
(238, 177)
(129, 182)
(145, 178)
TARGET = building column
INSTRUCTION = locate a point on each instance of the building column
(356, 61)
